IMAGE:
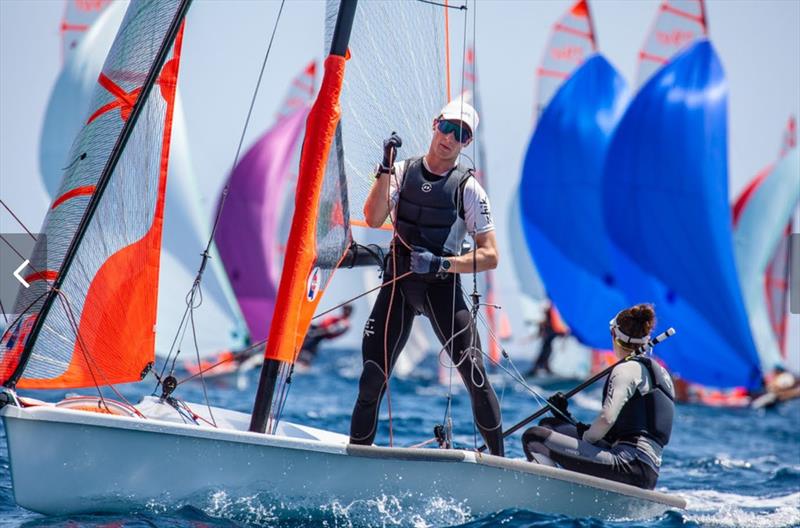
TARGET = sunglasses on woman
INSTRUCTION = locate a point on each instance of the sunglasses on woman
(461, 133)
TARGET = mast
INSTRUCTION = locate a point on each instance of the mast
(271, 368)
(591, 26)
(703, 16)
(102, 184)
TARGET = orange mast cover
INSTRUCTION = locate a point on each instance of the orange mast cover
(294, 308)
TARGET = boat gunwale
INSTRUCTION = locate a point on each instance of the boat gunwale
(49, 413)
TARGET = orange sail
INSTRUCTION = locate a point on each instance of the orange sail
(102, 235)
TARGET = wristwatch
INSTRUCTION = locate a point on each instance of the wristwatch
(444, 267)
(380, 170)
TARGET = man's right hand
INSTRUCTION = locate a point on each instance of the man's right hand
(390, 146)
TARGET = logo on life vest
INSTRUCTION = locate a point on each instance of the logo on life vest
(426, 187)
(312, 285)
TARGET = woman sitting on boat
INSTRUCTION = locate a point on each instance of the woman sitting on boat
(626, 440)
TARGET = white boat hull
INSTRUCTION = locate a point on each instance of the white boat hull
(69, 462)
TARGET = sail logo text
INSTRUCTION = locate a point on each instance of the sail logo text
(674, 38)
(369, 328)
(91, 5)
(568, 53)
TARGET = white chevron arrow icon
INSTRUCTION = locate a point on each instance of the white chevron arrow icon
(18, 276)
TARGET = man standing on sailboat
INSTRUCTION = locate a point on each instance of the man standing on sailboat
(434, 202)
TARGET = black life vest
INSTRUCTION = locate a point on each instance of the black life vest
(427, 210)
(647, 415)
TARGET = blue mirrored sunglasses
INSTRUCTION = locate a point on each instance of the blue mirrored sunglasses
(461, 132)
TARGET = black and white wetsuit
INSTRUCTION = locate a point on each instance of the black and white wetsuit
(626, 440)
(433, 212)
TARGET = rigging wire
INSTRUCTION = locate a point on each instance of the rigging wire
(462, 7)
(73, 322)
(16, 251)
(447, 421)
(17, 219)
(360, 295)
(206, 253)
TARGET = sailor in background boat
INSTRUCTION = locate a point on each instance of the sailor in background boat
(435, 202)
(550, 327)
(626, 440)
(330, 327)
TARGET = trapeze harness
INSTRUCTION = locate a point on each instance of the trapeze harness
(631, 450)
(428, 211)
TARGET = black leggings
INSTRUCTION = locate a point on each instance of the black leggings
(433, 298)
(558, 440)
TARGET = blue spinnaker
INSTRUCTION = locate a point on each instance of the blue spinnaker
(666, 208)
(561, 199)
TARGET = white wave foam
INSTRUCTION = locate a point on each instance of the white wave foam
(714, 508)
(249, 508)
(388, 510)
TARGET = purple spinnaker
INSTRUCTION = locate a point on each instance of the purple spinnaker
(247, 236)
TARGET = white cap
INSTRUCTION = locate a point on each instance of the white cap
(457, 110)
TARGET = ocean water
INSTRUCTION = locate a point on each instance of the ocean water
(734, 467)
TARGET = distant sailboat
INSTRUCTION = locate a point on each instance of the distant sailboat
(572, 41)
(666, 208)
(762, 218)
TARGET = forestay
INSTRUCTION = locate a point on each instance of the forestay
(99, 328)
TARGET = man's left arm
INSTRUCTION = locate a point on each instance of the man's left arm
(484, 258)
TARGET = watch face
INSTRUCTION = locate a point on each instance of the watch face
(445, 264)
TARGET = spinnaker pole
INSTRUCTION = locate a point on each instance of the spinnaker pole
(282, 335)
(102, 184)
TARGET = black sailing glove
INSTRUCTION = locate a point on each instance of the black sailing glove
(582, 428)
(559, 401)
(390, 147)
(423, 261)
